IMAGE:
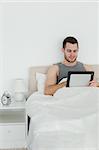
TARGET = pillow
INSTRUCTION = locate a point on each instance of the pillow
(40, 78)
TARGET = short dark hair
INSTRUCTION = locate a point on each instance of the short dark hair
(71, 40)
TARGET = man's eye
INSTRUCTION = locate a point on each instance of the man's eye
(75, 51)
(69, 51)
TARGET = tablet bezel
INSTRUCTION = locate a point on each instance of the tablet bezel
(79, 72)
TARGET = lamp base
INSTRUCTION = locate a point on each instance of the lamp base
(19, 97)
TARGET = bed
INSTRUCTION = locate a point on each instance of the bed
(57, 123)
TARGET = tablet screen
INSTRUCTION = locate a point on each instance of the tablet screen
(79, 78)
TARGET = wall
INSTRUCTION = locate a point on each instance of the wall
(1, 48)
(98, 32)
(33, 35)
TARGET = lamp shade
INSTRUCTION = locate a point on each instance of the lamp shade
(19, 86)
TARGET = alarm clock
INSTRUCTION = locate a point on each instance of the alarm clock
(6, 99)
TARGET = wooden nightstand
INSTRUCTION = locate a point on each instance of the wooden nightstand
(13, 125)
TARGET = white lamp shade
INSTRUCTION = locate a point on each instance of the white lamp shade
(20, 86)
(19, 97)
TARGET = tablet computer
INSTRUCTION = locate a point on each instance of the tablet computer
(79, 78)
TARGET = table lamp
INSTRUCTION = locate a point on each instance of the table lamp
(20, 90)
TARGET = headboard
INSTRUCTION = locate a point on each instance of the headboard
(32, 84)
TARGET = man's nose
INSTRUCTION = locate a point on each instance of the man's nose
(72, 53)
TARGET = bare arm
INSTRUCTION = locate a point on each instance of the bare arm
(93, 82)
(88, 68)
(50, 85)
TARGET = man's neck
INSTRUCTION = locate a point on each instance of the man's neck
(65, 62)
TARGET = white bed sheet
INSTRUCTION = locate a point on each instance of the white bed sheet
(65, 121)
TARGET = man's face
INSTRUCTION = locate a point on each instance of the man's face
(71, 52)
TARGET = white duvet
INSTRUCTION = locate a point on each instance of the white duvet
(66, 121)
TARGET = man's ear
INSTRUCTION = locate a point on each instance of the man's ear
(62, 49)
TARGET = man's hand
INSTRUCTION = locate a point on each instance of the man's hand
(93, 83)
(51, 89)
(63, 83)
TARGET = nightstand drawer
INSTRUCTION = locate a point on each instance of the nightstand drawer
(12, 132)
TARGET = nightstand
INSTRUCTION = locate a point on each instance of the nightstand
(13, 125)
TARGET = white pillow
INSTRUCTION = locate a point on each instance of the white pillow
(41, 78)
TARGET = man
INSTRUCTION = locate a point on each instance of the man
(70, 63)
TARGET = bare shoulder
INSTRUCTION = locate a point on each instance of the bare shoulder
(53, 69)
(51, 75)
(88, 67)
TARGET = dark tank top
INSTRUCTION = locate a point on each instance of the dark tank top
(63, 70)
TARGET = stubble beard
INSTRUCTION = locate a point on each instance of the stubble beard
(69, 60)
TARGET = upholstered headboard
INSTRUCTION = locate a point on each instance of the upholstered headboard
(32, 84)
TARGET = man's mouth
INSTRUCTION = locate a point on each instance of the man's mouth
(72, 58)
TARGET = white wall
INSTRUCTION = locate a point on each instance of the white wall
(1, 48)
(98, 32)
(33, 35)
